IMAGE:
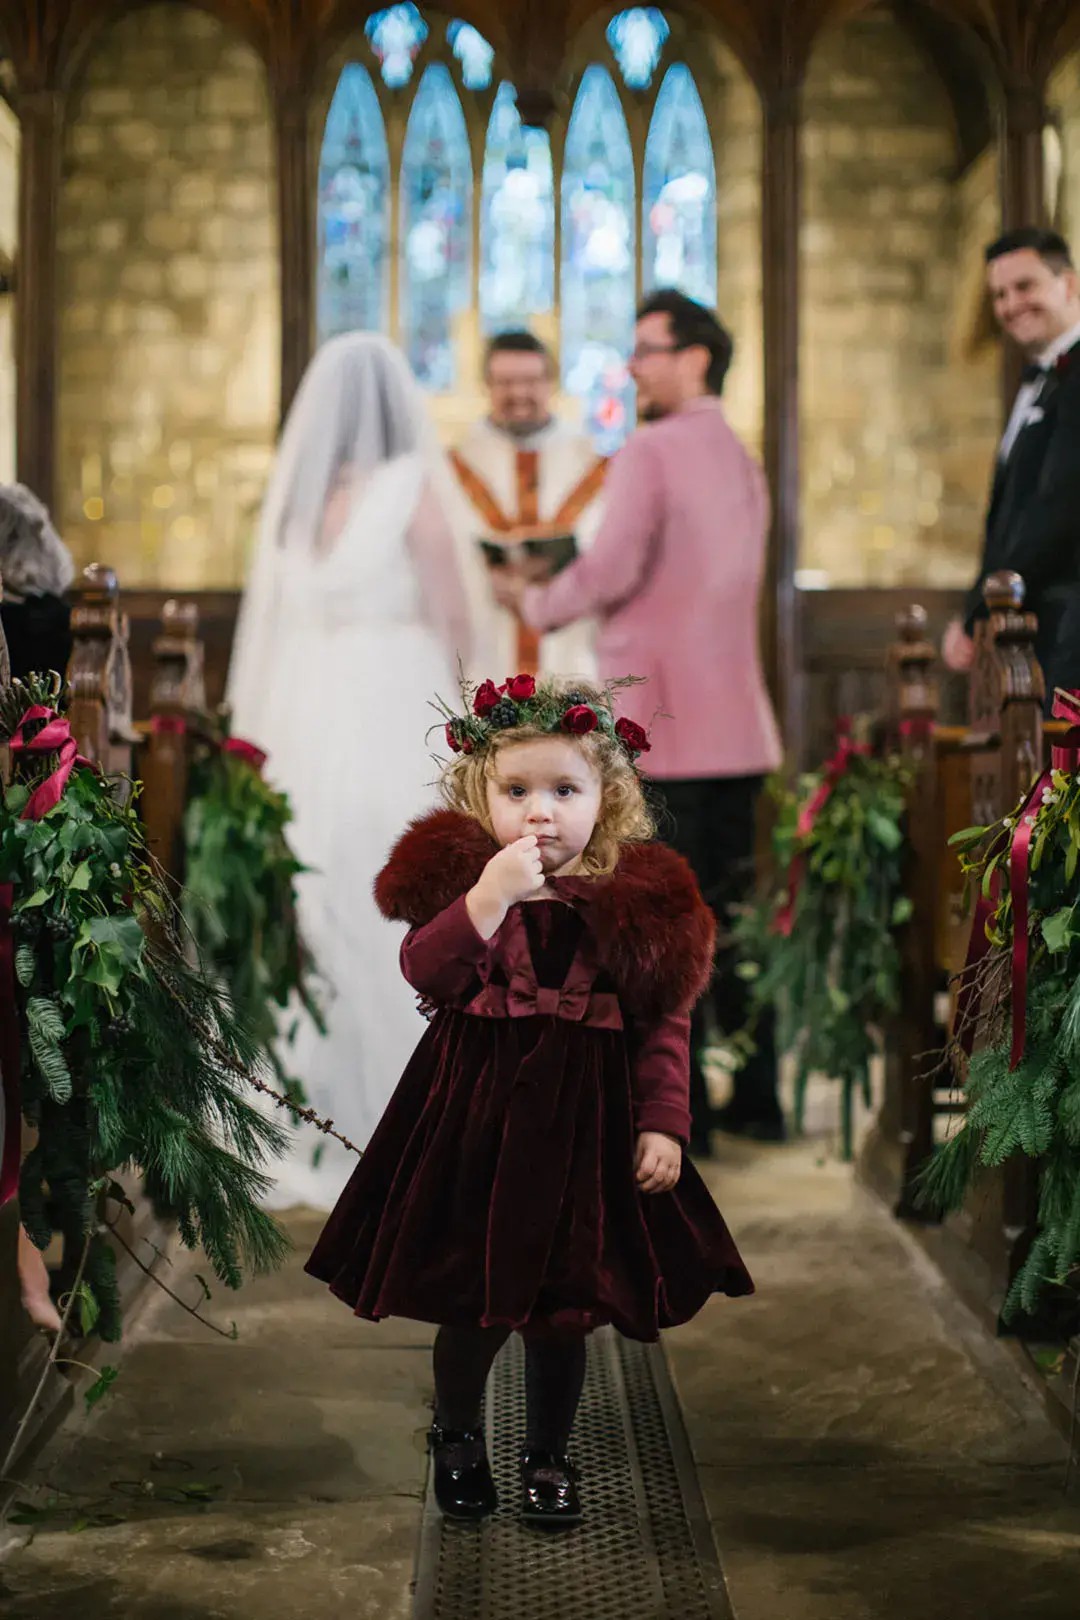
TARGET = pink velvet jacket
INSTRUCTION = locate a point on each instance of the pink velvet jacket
(644, 958)
(673, 580)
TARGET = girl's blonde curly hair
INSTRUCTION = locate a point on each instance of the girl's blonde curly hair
(624, 815)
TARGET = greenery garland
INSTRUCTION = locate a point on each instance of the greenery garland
(240, 896)
(824, 952)
(131, 1058)
(1034, 1107)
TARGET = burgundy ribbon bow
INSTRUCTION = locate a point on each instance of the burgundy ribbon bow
(246, 751)
(835, 768)
(525, 999)
(1064, 756)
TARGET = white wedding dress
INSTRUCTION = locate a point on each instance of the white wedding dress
(365, 633)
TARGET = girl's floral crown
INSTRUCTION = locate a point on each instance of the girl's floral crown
(546, 705)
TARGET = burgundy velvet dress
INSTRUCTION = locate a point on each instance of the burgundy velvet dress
(499, 1185)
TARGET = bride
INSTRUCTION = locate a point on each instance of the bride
(353, 618)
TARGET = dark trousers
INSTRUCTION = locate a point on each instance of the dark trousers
(712, 823)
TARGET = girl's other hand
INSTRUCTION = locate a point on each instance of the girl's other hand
(511, 875)
(657, 1162)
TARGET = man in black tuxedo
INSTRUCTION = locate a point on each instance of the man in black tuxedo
(1033, 523)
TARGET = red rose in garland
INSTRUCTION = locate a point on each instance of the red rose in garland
(486, 698)
(580, 720)
(633, 737)
(451, 737)
(520, 687)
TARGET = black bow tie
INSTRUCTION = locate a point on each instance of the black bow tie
(1032, 372)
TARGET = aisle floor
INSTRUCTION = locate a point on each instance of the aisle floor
(864, 1451)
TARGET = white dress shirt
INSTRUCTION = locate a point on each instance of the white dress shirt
(1025, 407)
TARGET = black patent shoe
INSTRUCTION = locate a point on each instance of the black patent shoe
(549, 1489)
(464, 1488)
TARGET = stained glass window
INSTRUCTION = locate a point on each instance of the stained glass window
(637, 38)
(436, 227)
(354, 197)
(396, 36)
(517, 220)
(598, 258)
(679, 192)
(473, 52)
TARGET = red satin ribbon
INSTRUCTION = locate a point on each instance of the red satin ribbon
(53, 738)
(1064, 756)
(246, 751)
(10, 1054)
(846, 751)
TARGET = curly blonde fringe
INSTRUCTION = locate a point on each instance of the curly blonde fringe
(624, 816)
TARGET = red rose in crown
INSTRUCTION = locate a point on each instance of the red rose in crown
(634, 738)
(487, 695)
(579, 720)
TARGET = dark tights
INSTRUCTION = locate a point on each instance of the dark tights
(554, 1375)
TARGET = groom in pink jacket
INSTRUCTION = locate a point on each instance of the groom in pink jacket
(673, 580)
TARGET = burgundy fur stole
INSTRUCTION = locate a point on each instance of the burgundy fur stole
(653, 932)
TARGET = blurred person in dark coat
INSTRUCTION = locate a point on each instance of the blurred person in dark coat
(36, 569)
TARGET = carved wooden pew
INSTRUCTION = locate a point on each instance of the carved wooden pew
(99, 675)
(177, 691)
(964, 776)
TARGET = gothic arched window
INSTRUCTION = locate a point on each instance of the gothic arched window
(598, 272)
(436, 227)
(517, 220)
(679, 192)
(354, 205)
(637, 38)
(473, 52)
(396, 36)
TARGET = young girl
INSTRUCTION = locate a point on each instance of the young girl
(528, 1173)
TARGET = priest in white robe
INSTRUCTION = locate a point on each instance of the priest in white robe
(523, 475)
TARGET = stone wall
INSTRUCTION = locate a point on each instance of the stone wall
(899, 407)
(9, 228)
(1064, 98)
(735, 115)
(169, 295)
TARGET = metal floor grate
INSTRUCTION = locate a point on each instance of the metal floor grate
(645, 1550)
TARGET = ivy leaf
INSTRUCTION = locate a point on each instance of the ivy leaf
(1058, 930)
(38, 898)
(885, 831)
(80, 878)
(89, 1309)
(902, 910)
(101, 1386)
